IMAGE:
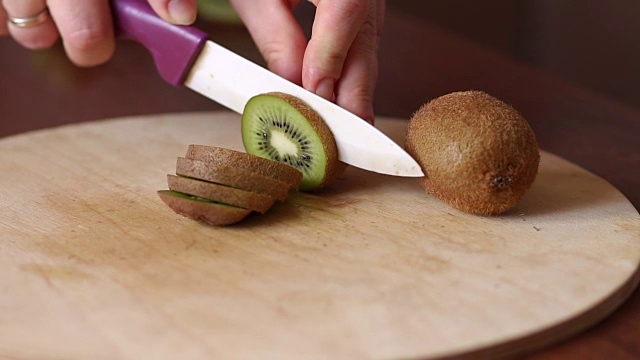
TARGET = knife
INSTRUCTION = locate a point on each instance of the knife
(184, 56)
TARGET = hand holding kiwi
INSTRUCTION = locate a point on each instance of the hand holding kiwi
(478, 154)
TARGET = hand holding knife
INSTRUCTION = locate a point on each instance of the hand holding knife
(184, 57)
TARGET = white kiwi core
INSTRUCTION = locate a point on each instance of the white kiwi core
(283, 144)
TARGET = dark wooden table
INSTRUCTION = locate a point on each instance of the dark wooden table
(419, 61)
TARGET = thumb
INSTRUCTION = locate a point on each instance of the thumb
(179, 12)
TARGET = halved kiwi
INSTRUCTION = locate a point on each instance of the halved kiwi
(221, 193)
(234, 177)
(202, 210)
(251, 163)
(283, 128)
(478, 154)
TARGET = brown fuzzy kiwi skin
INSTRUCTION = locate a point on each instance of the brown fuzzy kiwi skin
(203, 212)
(478, 154)
(334, 167)
(237, 178)
(228, 157)
(221, 193)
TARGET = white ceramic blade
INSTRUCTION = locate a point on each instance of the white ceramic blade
(232, 80)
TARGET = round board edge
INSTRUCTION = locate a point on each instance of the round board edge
(516, 346)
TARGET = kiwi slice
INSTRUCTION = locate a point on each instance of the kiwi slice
(478, 154)
(202, 210)
(234, 177)
(248, 162)
(283, 128)
(221, 193)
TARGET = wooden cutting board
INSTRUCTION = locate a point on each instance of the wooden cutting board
(94, 266)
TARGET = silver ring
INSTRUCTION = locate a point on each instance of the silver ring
(30, 21)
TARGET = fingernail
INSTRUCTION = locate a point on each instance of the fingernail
(181, 12)
(325, 89)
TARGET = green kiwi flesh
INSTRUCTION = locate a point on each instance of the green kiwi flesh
(281, 127)
(202, 210)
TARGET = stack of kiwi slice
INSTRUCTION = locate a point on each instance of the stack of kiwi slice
(288, 147)
(219, 186)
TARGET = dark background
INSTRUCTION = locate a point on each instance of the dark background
(591, 44)
(594, 44)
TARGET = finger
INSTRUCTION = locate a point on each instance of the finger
(41, 36)
(86, 30)
(179, 12)
(355, 89)
(336, 25)
(277, 34)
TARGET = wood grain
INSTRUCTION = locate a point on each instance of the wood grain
(93, 264)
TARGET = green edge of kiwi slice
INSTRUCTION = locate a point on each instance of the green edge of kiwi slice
(201, 209)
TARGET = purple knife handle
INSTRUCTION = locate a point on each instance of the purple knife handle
(173, 47)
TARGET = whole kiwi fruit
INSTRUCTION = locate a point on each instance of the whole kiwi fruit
(478, 154)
